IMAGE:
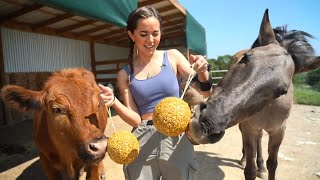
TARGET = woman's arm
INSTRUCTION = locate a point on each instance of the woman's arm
(128, 110)
(183, 68)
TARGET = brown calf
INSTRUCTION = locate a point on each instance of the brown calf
(70, 119)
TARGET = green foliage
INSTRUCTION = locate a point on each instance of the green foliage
(313, 79)
(222, 63)
(299, 79)
(305, 95)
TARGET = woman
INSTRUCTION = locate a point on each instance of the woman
(151, 76)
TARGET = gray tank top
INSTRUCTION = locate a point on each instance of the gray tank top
(147, 93)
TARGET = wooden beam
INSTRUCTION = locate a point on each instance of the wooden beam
(178, 6)
(173, 22)
(109, 71)
(114, 61)
(116, 37)
(124, 37)
(92, 30)
(93, 58)
(148, 2)
(15, 2)
(111, 33)
(111, 80)
(51, 21)
(173, 35)
(75, 26)
(165, 8)
(173, 28)
(172, 16)
(170, 46)
(20, 12)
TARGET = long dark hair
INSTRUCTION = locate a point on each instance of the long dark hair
(134, 16)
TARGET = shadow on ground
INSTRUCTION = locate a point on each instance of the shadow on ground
(16, 145)
(34, 171)
(211, 165)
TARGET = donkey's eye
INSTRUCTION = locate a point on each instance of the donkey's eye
(244, 59)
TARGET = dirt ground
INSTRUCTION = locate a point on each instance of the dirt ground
(299, 156)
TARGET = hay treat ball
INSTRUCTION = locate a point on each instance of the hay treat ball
(171, 116)
(123, 147)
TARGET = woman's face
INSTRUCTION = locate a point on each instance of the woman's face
(147, 35)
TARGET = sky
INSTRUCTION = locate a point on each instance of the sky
(233, 25)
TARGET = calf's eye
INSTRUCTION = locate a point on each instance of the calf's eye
(57, 110)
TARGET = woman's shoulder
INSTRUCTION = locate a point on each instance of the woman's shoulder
(123, 74)
(175, 55)
(173, 52)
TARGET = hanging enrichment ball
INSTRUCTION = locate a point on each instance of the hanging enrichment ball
(171, 116)
(123, 147)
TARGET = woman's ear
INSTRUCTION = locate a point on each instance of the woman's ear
(130, 35)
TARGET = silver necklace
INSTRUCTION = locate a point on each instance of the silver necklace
(149, 75)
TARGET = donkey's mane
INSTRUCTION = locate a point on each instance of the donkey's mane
(296, 43)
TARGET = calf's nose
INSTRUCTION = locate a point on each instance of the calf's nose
(97, 147)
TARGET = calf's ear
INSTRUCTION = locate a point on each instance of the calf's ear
(306, 65)
(21, 98)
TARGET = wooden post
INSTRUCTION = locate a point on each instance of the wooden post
(93, 58)
(188, 54)
(2, 81)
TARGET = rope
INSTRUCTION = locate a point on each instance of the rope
(188, 81)
(110, 117)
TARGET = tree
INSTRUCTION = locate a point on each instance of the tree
(222, 63)
(313, 79)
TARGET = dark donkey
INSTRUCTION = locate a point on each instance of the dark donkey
(257, 92)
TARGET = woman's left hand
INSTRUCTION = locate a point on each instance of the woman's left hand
(200, 63)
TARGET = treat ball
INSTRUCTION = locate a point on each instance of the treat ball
(171, 116)
(123, 147)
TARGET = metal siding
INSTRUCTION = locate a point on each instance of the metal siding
(31, 52)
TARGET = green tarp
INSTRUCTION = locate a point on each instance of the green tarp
(116, 12)
(112, 11)
(195, 35)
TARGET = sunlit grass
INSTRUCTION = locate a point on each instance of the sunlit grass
(306, 95)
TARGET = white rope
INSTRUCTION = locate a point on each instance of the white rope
(110, 117)
(188, 81)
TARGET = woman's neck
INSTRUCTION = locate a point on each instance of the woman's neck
(142, 59)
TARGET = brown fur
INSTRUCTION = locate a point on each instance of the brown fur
(70, 119)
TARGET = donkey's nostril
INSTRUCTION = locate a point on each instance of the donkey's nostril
(203, 106)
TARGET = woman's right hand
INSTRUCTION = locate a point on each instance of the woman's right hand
(107, 95)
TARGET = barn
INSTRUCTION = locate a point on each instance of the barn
(38, 37)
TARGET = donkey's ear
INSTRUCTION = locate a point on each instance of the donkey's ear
(306, 65)
(266, 35)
